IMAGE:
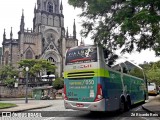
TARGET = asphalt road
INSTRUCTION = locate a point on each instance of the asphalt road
(58, 110)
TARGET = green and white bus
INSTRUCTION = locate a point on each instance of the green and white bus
(89, 84)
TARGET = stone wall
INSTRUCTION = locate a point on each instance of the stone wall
(20, 91)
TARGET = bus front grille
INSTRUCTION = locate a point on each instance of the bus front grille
(81, 75)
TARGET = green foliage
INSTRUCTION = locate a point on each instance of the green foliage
(36, 66)
(152, 71)
(10, 82)
(130, 24)
(7, 74)
(154, 76)
(137, 72)
(58, 83)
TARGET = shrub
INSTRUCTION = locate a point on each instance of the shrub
(58, 83)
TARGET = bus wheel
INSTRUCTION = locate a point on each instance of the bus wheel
(122, 106)
(145, 97)
(128, 105)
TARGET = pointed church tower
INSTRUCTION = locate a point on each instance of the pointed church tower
(48, 13)
(67, 36)
(11, 34)
(11, 46)
(48, 23)
(61, 8)
(4, 35)
(22, 24)
(74, 30)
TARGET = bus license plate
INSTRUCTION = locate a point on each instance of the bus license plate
(79, 105)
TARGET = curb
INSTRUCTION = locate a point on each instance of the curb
(144, 108)
(14, 99)
(21, 110)
(147, 109)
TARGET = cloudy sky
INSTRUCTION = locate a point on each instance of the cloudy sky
(11, 11)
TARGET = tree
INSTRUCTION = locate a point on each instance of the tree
(36, 66)
(7, 74)
(153, 73)
(127, 24)
(42, 66)
(137, 72)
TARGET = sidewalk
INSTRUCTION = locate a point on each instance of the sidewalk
(153, 105)
(22, 106)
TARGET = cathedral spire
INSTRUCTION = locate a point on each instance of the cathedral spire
(74, 30)
(22, 22)
(67, 33)
(22, 17)
(11, 34)
(35, 8)
(4, 35)
(61, 7)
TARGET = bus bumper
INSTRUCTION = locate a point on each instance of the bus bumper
(87, 106)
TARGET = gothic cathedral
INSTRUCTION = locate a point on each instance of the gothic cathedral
(47, 40)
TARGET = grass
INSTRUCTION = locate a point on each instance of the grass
(7, 105)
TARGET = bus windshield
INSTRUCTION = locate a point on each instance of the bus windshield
(81, 55)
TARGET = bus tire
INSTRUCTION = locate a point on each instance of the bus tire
(128, 104)
(122, 105)
(145, 97)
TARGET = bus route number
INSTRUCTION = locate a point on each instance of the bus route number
(88, 82)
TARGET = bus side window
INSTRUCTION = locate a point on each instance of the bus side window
(117, 68)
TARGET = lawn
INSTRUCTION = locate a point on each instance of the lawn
(6, 105)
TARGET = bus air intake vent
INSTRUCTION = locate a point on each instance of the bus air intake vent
(81, 75)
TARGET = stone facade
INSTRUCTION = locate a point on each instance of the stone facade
(47, 40)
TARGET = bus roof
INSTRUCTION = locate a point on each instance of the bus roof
(130, 65)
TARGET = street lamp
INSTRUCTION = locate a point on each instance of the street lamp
(16, 82)
(27, 69)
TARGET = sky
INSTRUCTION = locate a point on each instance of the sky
(11, 11)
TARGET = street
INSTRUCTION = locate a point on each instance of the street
(58, 112)
(78, 115)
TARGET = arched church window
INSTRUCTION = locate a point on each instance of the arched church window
(29, 54)
(56, 21)
(50, 59)
(6, 57)
(50, 7)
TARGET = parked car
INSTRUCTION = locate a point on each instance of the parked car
(152, 89)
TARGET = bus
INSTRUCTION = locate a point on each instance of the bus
(90, 84)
